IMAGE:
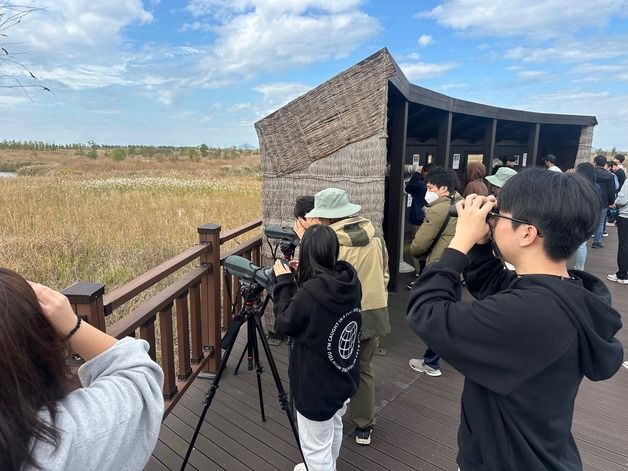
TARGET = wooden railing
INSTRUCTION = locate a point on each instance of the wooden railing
(194, 300)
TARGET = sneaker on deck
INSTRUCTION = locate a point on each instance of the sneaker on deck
(597, 245)
(604, 234)
(417, 364)
(410, 284)
(363, 435)
(613, 277)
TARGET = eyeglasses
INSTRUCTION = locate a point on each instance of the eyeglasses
(496, 214)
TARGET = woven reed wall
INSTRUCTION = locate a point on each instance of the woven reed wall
(585, 144)
(358, 168)
(347, 108)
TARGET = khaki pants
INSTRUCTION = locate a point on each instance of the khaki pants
(362, 405)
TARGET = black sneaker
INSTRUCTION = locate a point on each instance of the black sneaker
(363, 435)
(597, 245)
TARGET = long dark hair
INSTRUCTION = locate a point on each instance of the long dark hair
(319, 252)
(33, 372)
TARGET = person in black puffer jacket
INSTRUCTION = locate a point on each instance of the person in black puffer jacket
(320, 310)
(605, 181)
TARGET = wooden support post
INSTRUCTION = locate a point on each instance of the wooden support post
(147, 332)
(533, 144)
(195, 316)
(183, 337)
(167, 352)
(86, 300)
(210, 295)
(443, 148)
(489, 145)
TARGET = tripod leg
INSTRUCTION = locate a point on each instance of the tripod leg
(283, 397)
(235, 373)
(210, 395)
(259, 369)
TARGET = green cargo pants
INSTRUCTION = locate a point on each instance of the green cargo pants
(362, 405)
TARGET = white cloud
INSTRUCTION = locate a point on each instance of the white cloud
(255, 41)
(86, 76)
(277, 94)
(548, 18)
(12, 100)
(571, 51)
(425, 70)
(165, 97)
(425, 40)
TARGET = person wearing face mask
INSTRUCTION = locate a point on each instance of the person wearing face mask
(430, 241)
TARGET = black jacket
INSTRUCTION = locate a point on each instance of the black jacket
(606, 182)
(523, 346)
(417, 189)
(621, 177)
(323, 317)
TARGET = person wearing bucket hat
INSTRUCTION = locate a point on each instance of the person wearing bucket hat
(363, 246)
(500, 178)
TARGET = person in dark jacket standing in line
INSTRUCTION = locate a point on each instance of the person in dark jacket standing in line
(526, 342)
(605, 180)
(620, 172)
(417, 189)
(321, 312)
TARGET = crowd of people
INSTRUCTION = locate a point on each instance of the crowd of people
(534, 330)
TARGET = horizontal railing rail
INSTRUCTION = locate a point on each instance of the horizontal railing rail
(183, 322)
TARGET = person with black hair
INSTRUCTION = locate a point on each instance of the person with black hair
(415, 187)
(528, 339)
(302, 206)
(621, 203)
(604, 179)
(430, 241)
(620, 172)
(587, 171)
(363, 246)
(510, 161)
(320, 310)
(549, 162)
(111, 422)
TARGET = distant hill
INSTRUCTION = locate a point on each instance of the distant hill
(247, 147)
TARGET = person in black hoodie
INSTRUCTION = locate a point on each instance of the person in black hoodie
(526, 342)
(321, 312)
(606, 182)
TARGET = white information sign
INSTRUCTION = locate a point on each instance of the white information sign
(455, 164)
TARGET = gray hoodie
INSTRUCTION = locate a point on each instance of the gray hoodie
(113, 422)
(622, 201)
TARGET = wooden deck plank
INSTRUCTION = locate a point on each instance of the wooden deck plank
(417, 416)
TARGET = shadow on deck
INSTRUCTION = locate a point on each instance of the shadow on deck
(417, 415)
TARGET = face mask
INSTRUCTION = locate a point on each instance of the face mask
(430, 197)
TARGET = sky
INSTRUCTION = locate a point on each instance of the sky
(189, 72)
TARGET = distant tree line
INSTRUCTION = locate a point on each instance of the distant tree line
(116, 152)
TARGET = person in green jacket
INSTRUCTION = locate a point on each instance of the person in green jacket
(431, 240)
(363, 246)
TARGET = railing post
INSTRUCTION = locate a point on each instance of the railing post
(210, 295)
(86, 300)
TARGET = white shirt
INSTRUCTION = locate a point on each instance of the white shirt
(554, 168)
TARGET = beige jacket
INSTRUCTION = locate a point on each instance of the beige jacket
(363, 247)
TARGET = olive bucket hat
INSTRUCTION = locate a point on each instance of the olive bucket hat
(332, 203)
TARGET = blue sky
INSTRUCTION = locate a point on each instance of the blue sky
(203, 71)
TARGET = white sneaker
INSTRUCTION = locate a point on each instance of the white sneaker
(417, 364)
(300, 467)
(613, 277)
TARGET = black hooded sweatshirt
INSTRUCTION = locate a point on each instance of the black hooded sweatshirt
(323, 317)
(605, 181)
(523, 347)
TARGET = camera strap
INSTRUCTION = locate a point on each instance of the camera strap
(442, 227)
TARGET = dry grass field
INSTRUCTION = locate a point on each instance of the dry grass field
(67, 218)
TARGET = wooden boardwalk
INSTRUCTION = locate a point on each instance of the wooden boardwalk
(417, 415)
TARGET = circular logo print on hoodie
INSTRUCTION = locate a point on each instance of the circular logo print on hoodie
(343, 342)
